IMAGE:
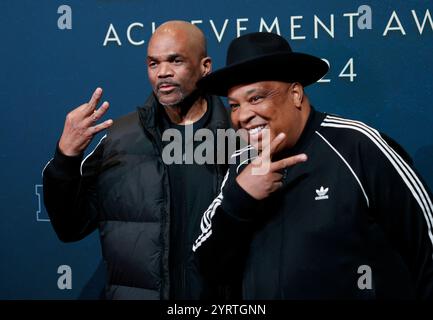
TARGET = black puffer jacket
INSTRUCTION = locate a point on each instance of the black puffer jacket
(122, 188)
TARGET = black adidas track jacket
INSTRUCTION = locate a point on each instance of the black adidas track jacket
(353, 222)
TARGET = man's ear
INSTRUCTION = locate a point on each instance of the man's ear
(297, 93)
(206, 66)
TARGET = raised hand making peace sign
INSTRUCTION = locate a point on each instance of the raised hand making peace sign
(80, 125)
(262, 176)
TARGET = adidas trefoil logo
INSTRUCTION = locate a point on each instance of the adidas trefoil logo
(322, 194)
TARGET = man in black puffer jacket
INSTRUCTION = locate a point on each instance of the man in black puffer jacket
(145, 210)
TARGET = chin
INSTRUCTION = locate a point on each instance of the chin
(171, 99)
(170, 103)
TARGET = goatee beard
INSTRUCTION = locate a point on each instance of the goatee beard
(186, 102)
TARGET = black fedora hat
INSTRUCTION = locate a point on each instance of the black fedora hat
(261, 56)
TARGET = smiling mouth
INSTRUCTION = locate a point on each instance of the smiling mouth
(256, 130)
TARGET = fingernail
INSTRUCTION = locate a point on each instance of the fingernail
(303, 157)
(281, 135)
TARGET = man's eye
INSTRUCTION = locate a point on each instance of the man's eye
(234, 106)
(151, 64)
(178, 61)
(255, 99)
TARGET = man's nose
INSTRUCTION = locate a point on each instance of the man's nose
(165, 70)
(245, 115)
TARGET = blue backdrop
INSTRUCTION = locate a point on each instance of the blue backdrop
(53, 57)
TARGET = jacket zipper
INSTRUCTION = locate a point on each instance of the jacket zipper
(164, 294)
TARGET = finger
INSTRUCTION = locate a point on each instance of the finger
(276, 176)
(276, 185)
(288, 162)
(265, 141)
(276, 142)
(269, 149)
(97, 114)
(82, 109)
(102, 126)
(94, 100)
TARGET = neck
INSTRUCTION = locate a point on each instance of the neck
(188, 111)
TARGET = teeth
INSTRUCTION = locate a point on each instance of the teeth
(256, 130)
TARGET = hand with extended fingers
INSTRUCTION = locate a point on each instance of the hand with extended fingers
(262, 176)
(81, 125)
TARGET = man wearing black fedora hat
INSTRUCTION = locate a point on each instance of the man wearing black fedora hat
(339, 212)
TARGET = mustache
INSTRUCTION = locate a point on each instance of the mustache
(165, 82)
